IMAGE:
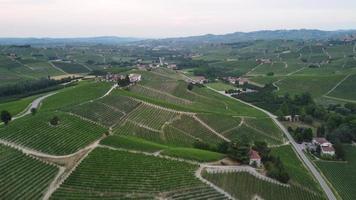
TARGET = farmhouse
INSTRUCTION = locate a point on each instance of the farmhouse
(326, 148)
(199, 80)
(113, 77)
(255, 159)
(292, 118)
(134, 78)
(264, 61)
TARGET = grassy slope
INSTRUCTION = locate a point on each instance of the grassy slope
(15, 107)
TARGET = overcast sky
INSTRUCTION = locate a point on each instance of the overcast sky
(168, 18)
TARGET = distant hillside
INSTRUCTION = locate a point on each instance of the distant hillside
(302, 34)
(63, 41)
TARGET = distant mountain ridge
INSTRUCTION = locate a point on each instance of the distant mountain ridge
(295, 34)
(67, 41)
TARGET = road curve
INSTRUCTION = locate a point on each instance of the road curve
(329, 193)
(35, 104)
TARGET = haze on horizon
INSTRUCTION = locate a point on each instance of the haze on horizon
(168, 18)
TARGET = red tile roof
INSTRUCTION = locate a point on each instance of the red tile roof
(328, 149)
(321, 140)
(254, 155)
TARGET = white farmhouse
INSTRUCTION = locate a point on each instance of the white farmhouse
(134, 78)
(326, 148)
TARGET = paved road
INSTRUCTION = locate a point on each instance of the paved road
(35, 104)
(299, 151)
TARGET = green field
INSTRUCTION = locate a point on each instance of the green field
(115, 174)
(342, 176)
(35, 132)
(23, 177)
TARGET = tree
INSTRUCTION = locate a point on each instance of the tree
(285, 108)
(339, 151)
(5, 117)
(320, 132)
(54, 121)
(33, 111)
(240, 152)
(223, 147)
(262, 148)
(190, 86)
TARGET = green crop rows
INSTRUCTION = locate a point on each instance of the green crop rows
(67, 137)
(23, 177)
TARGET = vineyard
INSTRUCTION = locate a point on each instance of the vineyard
(82, 92)
(23, 177)
(151, 117)
(71, 68)
(37, 133)
(346, 89)
(342, 175)
(115, 174)
(152, 93)
(242, 185)
(220, 123)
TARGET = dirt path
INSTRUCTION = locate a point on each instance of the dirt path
(57, 68)
(327, 53)
(298, 70)
(199, 176)
(253, 69)
(211, 129)
(337, 85)
(226, 169)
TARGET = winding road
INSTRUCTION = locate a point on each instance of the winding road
(35, 104)
(329, 193)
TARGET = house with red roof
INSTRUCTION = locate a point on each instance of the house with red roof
(326, 148)
(255, 158)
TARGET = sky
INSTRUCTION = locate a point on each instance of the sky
(168, 18)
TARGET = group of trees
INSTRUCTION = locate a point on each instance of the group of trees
(301, 134)
(124, 82)
(30, 87)
(274, 166)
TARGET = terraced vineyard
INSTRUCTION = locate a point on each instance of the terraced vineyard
(23, 177)
(107, 111)
(35, 132)
(146, 91)
(253, 187)
(114, 174)
(151, 117)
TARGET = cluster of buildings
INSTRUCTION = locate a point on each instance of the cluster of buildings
(236, 80)
(134, 78)
(264, 61)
